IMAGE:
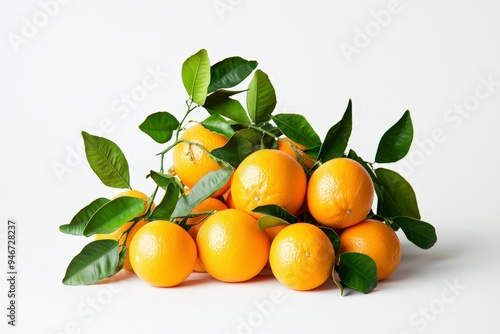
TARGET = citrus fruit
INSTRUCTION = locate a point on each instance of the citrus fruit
(119, 232)
(272, 232)
(296, 151)
(375, 239)
(268, 177)
(231, 246)
(340, 193)
(208, 204)
(162, 253)
(302, 256)
(191, 162)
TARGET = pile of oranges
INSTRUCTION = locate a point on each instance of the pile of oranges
(224, 239)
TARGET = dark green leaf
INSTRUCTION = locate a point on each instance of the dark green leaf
(107, 160)
(396, 142)
(114, 214)
(220, 103)
(337, 137)
(398, 197)
(358, 271)
(196, 76)
(203, 189)
(98, 260)
(160, 126)
(276, 211)
(230, 72)
(297, 128)
(80, 220)
(334, 238)
(163, 180)
(261, 97)
(163, 211)
(121, 260)
(422, 234)
(240, 145)
(217, 123)
(270, 221)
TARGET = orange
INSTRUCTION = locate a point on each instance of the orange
(296, 151)
(375, 239)
(191, 162)
(208, 204)
(231, 246)
(272, 232)
(229, 200)
(268, 177)
(162, 253)
(340, 193)
(119, 232)
(302, 256)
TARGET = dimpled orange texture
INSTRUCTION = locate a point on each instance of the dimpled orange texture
(268, 177)
(340, 193)
(231, 247)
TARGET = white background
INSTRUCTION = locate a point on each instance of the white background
(73, 70)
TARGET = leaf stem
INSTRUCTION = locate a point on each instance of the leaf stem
(262, 130)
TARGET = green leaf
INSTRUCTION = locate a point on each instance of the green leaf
(420, 233)
(163, 211)
(337, 137)
(121, 260)
(203, 189)
(196, 76)
(160, 126)
(107, 160)
(80, 220)
(164, 180)
(220, 103)
(230, 72)
(398, 197)
(276, 211)
(297, 128)
(270, 221)
(358, 271)
(396, 142)
(261, 97)
(98, 260)
(240, 145)
(218, 124)
(334, 238)
(113, 215)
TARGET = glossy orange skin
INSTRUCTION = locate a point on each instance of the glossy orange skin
(340, 193)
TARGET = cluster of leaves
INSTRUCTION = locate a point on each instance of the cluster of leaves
(248, 130)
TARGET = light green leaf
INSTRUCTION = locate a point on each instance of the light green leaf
(270, 221)
(196, 76)
(261, 97)
(107, 160)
